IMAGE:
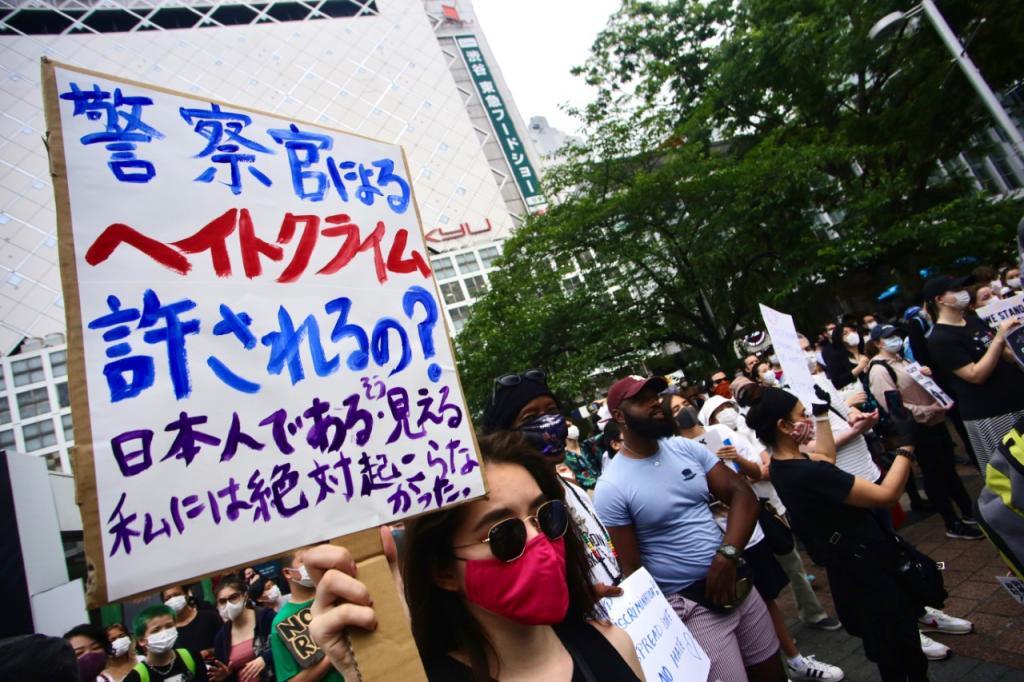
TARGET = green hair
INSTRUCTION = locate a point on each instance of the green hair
(148, 614)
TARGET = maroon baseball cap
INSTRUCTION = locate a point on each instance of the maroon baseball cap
(630, 386)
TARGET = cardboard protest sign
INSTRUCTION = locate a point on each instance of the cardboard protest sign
(258, 355)
(1000, 311)
(664, 645)
(928, 384)
(787, 346)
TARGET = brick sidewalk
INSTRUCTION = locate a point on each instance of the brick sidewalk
(994, 651)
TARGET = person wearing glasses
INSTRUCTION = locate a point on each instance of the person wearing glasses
(524, 403)
(242, 647)
(718, 384)
(497, 589)
(655, 499)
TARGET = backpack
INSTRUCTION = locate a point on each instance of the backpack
(1000, 506)
(143, 670)
(885, 426)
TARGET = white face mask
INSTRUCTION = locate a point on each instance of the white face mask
(231, 611)
(872, 324)
(852, 339)
(893, 344)
(574, 433)
(120, 646)
(996, 285)
(728, 417)
(812, 362)
(1013, 283)
(162, 641)
(773, 359)
(304, 578)
(768, 378)
(273, 594)
(177, 603)
(963, 299)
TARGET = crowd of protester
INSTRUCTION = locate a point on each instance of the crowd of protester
(509, 587)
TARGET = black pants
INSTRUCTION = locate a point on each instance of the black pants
(900, 673)
(941, 482)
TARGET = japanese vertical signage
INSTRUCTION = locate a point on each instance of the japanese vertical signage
(258, 357)
(501, 121)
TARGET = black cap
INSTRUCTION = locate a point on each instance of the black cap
(937, 286)
(882, 331)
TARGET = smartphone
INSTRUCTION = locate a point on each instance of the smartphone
(894, 405)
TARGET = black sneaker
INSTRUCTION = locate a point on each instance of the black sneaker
(826, 624)
(969, 520)
(964, 532)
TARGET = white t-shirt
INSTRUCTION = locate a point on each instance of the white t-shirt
(749, 452)
(854, 457)
(744, 450)
(604, 564)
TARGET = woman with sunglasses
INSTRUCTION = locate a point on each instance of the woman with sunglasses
(497, 589)
(242, 647)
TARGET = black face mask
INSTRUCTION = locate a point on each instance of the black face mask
(687, 418)
(648, 428)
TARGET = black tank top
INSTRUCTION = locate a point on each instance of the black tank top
(601, 657)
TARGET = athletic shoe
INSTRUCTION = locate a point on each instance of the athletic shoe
(814, 670)
(937, 621)
(969, 520)
(933, 651)
(811, 578)
(826, 624)
(964, 532)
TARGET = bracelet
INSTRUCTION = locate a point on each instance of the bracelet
(823, 418)
(906, 453)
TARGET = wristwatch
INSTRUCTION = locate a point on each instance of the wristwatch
(729, 551)
(906, 453)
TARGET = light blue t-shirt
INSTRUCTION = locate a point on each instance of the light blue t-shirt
(667, 505)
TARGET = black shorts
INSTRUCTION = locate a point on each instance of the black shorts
(769, 578)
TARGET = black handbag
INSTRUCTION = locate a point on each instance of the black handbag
(697, 592)
(778, 536)
(919, 575)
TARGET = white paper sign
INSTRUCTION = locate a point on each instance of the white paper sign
(926, 382)
(1013, 585)
(787, 346)
(712, 441)
(265, 351)
(1000, 311)
(665, 647)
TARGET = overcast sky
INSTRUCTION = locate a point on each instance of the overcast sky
(536, 43)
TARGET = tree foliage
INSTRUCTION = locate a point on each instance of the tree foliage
(722, 133)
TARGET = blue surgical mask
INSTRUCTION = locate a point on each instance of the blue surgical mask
(546, 434)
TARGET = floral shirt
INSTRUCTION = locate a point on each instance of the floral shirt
(586, 464)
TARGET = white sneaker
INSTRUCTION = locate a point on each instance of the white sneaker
(933, 651)
(936, 621)
(813, 670)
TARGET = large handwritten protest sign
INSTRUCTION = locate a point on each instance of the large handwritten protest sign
(787, 346)
(664, 645)
(259, 359)
(1000, 311)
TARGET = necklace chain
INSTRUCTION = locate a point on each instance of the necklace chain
(656, 462)
(168, 666)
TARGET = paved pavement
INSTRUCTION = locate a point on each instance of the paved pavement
(994, 651)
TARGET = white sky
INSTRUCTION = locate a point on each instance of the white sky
(536, 43)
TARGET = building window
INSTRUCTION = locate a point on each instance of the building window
(34, 402)
(5, 410)
(452, 292)
(476, 286)
(28, 371)
(443, 268)
(571, 284)
(53, 461)
(585, 259)
(69, 432)
(467, 263)
(459, 317)
(39, 435)
(3, 381)
(59, 363)
(489, 255)
(7, 439)
(63, 399)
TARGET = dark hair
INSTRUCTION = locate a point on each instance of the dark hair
(763, 417)
(93, 632)
(985, 273)
(612, 431)
(231, 580)
(837, 337)
(441, 622)
(118, 624)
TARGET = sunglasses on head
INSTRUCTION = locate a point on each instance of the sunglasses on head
(507, 539)
(516, 379)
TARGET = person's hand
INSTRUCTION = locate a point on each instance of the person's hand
(218, 671)
(605, 590)
(858, 398)
(341, 601)
(863, 422)
(822, 401)
(766, 473)
(727, 452)
(251, 672)
(862, 363)
(927, 371)
(721, 580)
(1005, 328)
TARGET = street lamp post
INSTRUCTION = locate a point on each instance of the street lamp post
(949, 38)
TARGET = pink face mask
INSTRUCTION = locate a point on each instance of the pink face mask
(803, 432)
(530, 590)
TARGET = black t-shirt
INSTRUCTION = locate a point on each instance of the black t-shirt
(813, 493)
(178, 672)
(954, 347)
(200, 633)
